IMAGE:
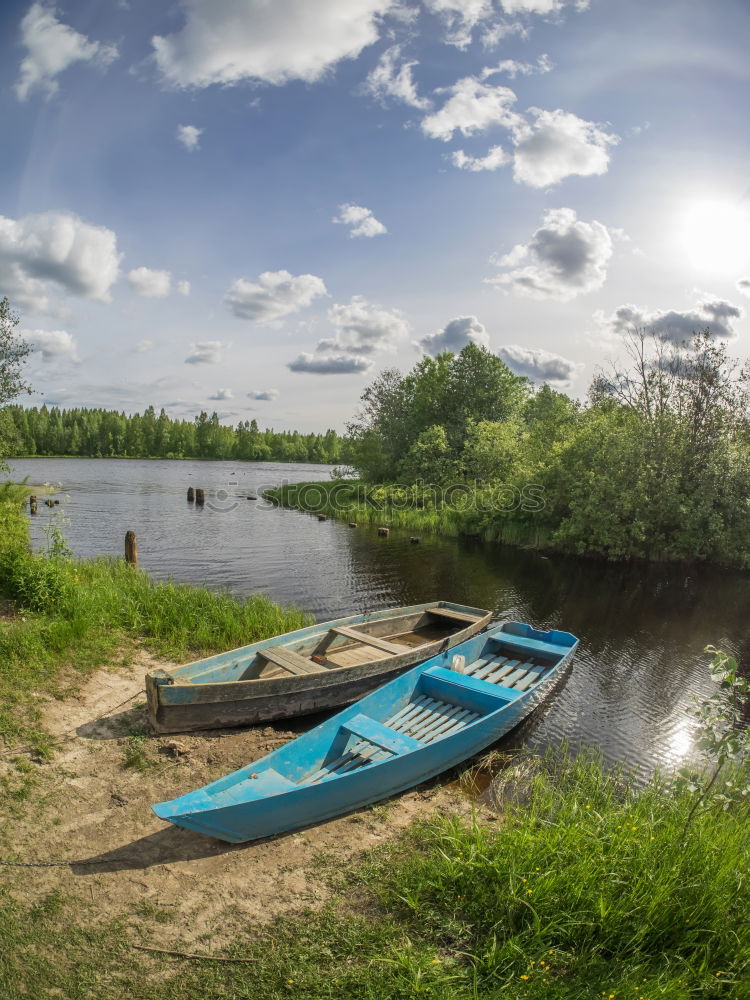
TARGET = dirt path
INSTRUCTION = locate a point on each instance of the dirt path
(87, 806)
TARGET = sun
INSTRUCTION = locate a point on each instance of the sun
(715, 236)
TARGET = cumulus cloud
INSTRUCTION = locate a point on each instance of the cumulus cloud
(361, 220)
(564, 258)
(332, 364)
(460, 18)
(557, 144)
(149, 283)
(392, 78)
(472, 106)
(674, 325)
(228, 42)
(537, 364)
(206, 352)
(514, 68)
(222, 394)
(51, 47)
(743, 285)
(60, 248)
(274, 295)
(495, 158)
(53, 345)
(455, 336)
(267, 395)
(542, 7)
(364, 328)
(183, 287)
(143, 346)
(189, 136)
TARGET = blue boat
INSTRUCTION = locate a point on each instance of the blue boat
(431, 718)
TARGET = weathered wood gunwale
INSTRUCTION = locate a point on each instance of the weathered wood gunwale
(357, 653)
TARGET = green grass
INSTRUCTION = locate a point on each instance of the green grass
(586, 887)
(75, 615)
(409, 508)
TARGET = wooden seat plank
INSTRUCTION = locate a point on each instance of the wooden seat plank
(370, 640)
(288, 660)
(447, 613)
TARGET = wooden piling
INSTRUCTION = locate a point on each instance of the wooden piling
(131, 549)
(322, 517)
(191, 494)
(384, 532)
(352, 524)
(414, 540)
(49, 503)
(32, 505)
(200, 497)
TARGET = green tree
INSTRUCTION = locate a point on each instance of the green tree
(13, 353)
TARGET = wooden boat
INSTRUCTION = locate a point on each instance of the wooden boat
(431, 718)
(310, 670)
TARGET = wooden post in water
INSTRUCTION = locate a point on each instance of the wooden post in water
(383, 532)
(191, 494)
(200, 497)
(131, 549)
(322, 517)
(352, 524)
(32, 504)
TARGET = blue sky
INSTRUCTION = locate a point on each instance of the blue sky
(254, 207)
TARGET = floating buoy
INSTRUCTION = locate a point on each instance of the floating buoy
(384, 532)
(191, 494)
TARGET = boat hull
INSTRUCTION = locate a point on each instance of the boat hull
(239, 808)
(181, 707)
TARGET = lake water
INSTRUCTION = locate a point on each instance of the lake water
(642, 631)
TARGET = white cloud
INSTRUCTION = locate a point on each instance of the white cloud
(364, 328)
(53, 345)
(183, 287)
(557, 144)
(542, 7)
(143, 346)
(267, 395)
(460, 18)
(222, 394)
(675, 326)
(276, 294)
(51, 48)
(564, 258)
(472, 107)
(514, 68)
(455, 336)
(743, 285)
(496, 157)
(149, 283)
(537, 364)
(392, 78)
(189, 136)
(227, 41)
(361, 219)
(206, 352)
(334, 364)
(56, 247)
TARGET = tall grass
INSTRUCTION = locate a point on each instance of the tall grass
(413, 508)
(76, 614)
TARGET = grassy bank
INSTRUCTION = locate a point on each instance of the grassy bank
(412, 508)
(68, 616)
(582, 887)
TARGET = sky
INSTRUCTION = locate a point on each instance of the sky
(254, 206)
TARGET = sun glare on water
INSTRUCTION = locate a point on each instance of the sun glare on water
(715, 235)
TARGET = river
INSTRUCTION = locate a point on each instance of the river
(642, 630)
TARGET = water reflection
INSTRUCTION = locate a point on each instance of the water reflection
(642, 630)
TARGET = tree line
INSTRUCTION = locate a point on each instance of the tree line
(100, 433)
(654, 464)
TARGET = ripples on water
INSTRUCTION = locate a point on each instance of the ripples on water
(642, 630)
